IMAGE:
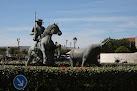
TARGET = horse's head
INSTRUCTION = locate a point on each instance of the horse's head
(54, 29)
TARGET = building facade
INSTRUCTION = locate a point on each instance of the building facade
(122, 57)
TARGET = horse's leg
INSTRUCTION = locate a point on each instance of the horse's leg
(83, 61)
(59, 51)
(58, 47)
(29, 56)
(44, 55)
(71, 62)
(29, 60)
(50, 56)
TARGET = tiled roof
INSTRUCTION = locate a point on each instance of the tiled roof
(131, 39)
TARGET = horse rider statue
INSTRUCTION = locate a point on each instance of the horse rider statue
(37, 32)
(43, 54)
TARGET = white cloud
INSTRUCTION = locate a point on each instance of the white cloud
(85, 37)
(101, 19)
(9, 36)
(12, 41)
(87, 33)
(93, 11)
(130, 24)
(15, 28)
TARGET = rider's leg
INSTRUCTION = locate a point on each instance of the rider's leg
(35, 45)
(29, 60)
(44, 55)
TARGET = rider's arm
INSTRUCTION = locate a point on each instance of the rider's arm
(32, 31)
(43, 29)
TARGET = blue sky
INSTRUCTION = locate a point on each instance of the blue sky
(91, 21)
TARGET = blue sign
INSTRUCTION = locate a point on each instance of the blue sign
(20, 82)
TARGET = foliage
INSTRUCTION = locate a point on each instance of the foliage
(122, 49)
(68, 64)
(13, 50)
(40, 78)
(133, 47)
(116, 43)
(64, 51)
(18, 54)
(24, 51)
(3, 51)
(112, 45)
(124, 42)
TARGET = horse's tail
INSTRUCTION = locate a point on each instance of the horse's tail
(29, 51)
(29, 55)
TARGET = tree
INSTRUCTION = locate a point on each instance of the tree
(64, 51)
(122, 49)
(133, 47)
(112, 45)
(3, 51)
(13, 50)
(124, 42)
(24, 51)
(116, 43)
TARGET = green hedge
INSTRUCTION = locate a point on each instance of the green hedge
(68, 64)
(40, 78)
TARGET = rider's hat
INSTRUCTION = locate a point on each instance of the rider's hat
(40, 20)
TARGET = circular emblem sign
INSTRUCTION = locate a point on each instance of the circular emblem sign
(20, 82)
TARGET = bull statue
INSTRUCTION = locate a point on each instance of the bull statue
(87, 55)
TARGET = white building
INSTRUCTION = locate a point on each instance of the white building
(122, 57)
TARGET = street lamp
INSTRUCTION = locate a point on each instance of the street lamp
(70, 44)
(8, 51)
(66, 43)
(74, 40)
(18, 40)
(56, 43)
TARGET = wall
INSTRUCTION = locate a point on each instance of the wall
(136, 42)
(111, 57)
(24, 47)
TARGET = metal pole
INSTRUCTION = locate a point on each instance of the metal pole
(18, 40)
(70, 44)
(66, 43)
(35, 23)
(8, 51)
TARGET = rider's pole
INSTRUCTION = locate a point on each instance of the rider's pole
(35, 22)
(35, 27)
(35, 19)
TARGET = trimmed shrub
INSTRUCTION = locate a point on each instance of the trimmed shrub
(122, 49)
(40, 78)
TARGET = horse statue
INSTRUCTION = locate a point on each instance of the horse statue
(44, 52)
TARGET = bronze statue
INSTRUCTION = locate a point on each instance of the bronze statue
(87, 55)
(43, 51)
